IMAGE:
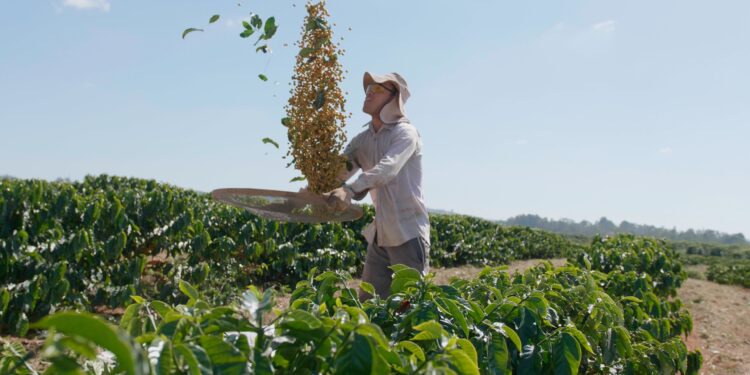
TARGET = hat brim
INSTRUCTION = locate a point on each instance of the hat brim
(370, 78)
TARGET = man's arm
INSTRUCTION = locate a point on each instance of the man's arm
(402, 148)
(351, 166)
(345, 173)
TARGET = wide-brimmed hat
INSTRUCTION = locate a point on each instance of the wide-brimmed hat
(393, 111)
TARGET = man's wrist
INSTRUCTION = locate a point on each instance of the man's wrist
(348, 188)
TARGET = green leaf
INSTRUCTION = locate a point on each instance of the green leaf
(694, 362)
(566, 355)
(196, 358)
(301, 320)
(262, 77)
(316, 23)
(367, 287)
(374, 332)
(618, 344)
(498, 354)
(356, 358)
(256, 21)
(188, 290)
(631, 299)
(430, 330)
(131, 312)
(226, 359)
(320, 99)
(457, 315)
(581, 338)
(508, 332)
(286, 121)
(404, 278)
(246, 33)
(115, 245)
(161, 308)
(271, 141)
(101, 333)
(194, 367)
(263, 48)
(247, 25)
(270, 28)
(469, 348)
(214, 18)
(462, 362)
(189, 30)
(412, 348)
(297, 179)
(165, 363)
(306, 52)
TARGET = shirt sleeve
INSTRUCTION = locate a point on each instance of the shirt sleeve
(403, 147)
(350, 153)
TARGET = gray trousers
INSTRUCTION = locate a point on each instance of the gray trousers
(413, 253)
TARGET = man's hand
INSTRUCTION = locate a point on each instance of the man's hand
(339, 198)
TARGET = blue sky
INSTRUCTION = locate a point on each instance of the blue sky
(633, 110)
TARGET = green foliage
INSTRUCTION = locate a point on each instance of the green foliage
(647, 263)
(736, 273)
(13, 359)
(458, 240)
(110, 240)
(102, 240)
(545, 320)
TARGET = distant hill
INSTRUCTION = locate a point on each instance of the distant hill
(606, 227)
(441, 212)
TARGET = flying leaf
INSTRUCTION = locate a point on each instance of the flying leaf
(262, 77)
(189, 30)
(306, 52)
(246, 33)
(270, 28)
(300, 178)
(214, 18)
(256, 21)
(320, 99)
(271, 141)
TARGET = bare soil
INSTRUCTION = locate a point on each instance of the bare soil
(721, 325)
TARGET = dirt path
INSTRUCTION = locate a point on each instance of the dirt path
(721, 325)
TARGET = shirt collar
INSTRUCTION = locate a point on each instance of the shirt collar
(386, 126)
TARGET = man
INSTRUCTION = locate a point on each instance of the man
(389, 152)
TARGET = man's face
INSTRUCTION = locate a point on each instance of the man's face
(377, 96)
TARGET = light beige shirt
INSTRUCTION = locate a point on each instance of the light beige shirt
(391, 163)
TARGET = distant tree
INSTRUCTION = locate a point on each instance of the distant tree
(605, 226)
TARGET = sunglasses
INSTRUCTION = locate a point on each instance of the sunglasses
(378, 88)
